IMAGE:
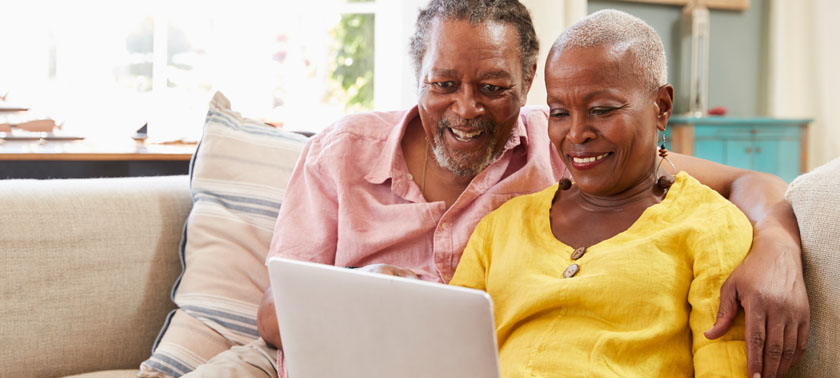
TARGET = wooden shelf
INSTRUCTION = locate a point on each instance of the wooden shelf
(93, 150)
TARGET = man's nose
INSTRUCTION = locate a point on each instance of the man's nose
(580, 131)
(465, 105)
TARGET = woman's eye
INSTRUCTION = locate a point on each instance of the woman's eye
(559, 114)
(601, 111)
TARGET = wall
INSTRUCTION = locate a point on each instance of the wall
(550, 18)
(737, 48)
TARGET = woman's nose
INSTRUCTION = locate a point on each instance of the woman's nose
(580, 131)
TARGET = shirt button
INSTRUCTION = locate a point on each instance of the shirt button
(444, 226)
(571, 271)
(578, 253)
(410, 177)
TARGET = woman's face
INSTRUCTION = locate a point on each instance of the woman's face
(602, 121)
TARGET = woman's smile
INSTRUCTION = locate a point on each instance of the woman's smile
(583, 161)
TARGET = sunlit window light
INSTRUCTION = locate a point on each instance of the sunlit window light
(105, 68)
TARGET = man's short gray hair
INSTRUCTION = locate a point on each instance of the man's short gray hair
(615, 28)
(510, 12)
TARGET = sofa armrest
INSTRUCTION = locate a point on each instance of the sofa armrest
(86, 270)
(814, 197)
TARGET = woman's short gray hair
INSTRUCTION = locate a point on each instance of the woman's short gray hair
(616, 28)
(510, 12)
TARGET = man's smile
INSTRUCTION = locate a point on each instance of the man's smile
(465, 136)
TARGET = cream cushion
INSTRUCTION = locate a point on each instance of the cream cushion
(108, 374)
(238, 179)
(86, 268)
(815, 197)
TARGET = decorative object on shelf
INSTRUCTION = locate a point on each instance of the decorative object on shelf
(142, 133)
(717, 111)
(26, 121)
(693, 84)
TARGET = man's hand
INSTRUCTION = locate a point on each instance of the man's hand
(389, 270)
(267, 321)
(770, 287)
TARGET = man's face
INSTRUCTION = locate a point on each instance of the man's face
(601, 120)
(470, 91)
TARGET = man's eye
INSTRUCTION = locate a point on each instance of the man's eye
(444, 84)
(490, 88)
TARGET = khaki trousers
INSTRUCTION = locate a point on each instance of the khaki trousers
(255, 359)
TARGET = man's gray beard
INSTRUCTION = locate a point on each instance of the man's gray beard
(464, 165)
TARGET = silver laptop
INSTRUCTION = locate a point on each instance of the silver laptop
(343, 323)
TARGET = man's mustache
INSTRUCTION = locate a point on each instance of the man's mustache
(467, 124)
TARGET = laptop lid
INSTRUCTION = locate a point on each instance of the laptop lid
(338, 322)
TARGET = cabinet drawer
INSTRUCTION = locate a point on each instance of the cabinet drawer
(745, 132)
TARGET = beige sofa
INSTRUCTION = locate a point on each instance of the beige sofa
(87, 267)
(86, 272)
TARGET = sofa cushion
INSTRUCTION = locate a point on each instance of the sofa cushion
(238, 178)
(86, 267)
(107, 374)
(815, 197)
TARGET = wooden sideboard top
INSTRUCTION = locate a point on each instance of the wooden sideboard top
(125, 149)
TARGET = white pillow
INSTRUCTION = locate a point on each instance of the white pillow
(238, 178)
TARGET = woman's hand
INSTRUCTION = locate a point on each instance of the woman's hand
(770, 287)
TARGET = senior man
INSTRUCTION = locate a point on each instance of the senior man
(401, 192)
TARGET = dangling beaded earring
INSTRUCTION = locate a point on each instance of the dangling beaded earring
(565, 183)
(664, 181)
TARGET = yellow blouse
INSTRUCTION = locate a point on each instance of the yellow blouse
(637, 307)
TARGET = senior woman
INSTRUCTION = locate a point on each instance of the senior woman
(617, 273)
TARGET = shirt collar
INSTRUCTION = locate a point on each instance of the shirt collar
(391, 163)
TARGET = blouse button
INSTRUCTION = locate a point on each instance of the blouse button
(571, 271)
(578, 253)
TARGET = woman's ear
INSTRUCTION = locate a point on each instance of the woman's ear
(664, 105)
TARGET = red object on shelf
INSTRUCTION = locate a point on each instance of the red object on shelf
(718, 111)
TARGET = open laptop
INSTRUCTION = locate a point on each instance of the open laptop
(344, 323)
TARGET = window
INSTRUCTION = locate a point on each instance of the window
(107, 68)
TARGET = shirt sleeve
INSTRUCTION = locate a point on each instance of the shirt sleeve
(475, 261)
(307, 223)
(721, 243)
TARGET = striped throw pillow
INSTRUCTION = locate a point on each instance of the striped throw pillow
(238, 178)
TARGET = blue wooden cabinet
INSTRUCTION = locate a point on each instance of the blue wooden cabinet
(771, 145)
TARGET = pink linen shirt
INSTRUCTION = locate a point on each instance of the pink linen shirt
(351, 200)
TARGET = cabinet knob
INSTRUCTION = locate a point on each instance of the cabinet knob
(758, 150)
(749, 150)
